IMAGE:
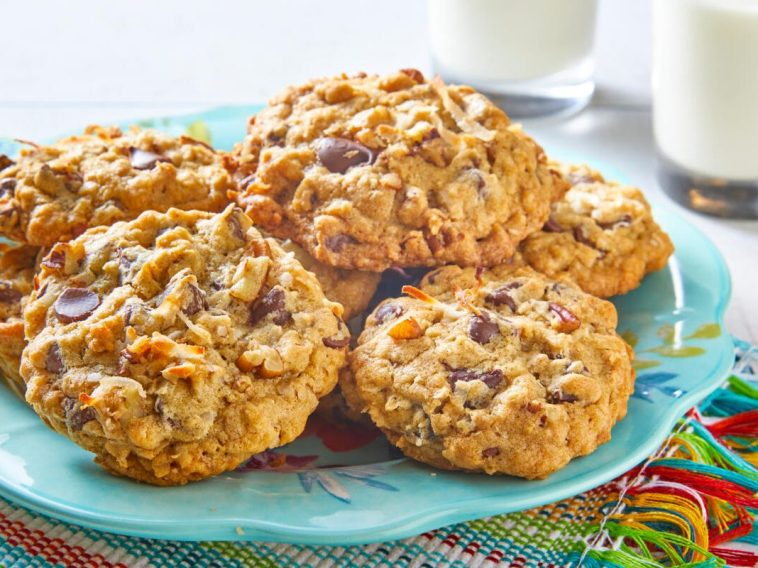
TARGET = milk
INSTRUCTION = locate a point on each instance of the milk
(705, 86)
(492, 42)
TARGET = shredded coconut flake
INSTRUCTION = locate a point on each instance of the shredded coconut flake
(464, 122)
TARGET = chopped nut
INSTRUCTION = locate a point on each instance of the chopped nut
(249, 278)
(567, 321)
(181, 371)
(407, 328)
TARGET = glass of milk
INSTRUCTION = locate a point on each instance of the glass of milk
(534, 57)
(705, 103)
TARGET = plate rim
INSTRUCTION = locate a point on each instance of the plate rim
(227, 528)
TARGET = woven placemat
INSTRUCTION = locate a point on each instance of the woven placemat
(692, 503)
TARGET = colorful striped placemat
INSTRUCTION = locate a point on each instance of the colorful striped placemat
(693, 503)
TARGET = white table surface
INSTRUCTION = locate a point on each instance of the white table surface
(67, 64)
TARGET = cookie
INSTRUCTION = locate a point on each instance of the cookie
(351, 288)
(17, 266)
(53, 193)
(516, 374)
(369, 172)
(601, 235)
(177, 345)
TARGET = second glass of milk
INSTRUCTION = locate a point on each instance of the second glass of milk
(534, 57)
(705, 103)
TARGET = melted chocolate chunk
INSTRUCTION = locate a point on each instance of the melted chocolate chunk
(501, 296)
(580, 236)
(489, 378)
(5, 162)
(336, 342)
(55, 260)
(482, 329)
(552, 226)
(339, 154)
(490, 452)
(7, 187)
(336, 243)
(196, 301)
(558, 397)
(76, 416)
(235, 227)
(8, 294)
(388, 312)
(75, 304)
(271, 303)
(54, 359)
(144, 159)
(623, 221)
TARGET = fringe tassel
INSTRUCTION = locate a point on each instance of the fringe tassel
(688, 509)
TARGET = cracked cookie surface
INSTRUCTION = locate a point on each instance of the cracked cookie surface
(517, 374)
(601, 235)
(53, 193)
(17, 267)
(176, 345)
(369, 172)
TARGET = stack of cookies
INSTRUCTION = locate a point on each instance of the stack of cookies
(175, 310)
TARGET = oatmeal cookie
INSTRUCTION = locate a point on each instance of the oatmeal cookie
(368, 172)
(17, 265)
(351, 288)
(53, 193)
(602, 235)
(177, 345)
(517, 374)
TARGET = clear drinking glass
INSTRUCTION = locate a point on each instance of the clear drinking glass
(705, 103)
(534, 57)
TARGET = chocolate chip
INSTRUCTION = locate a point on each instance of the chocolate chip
(55, 260)
(558, 396)
(339, 154)
(8, 293)
(75, 304)
(623, 221)
(235, 227)
(490, 452)
(435, 244)
(551, 226)
(388, 312)
(144, 159)
(482, 329)
(336, 243)
(271, 303)
(489, 378)
(336, 342)
(196, 301)
(432, 134)
(580, 236)
(501, 296)
(5, 162)
(54, 359)
(7, 187)
(76, 416)
(414, 74)
(568, 321)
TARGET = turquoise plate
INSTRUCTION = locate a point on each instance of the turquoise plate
(334, 486)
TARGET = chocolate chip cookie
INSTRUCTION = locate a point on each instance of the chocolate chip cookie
(351, 288)
(513, 374)
(176, 345)
(602, 235)
(17, 264)
(53, 193)
(368, 172)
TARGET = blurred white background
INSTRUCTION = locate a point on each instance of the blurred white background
(67, 64)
